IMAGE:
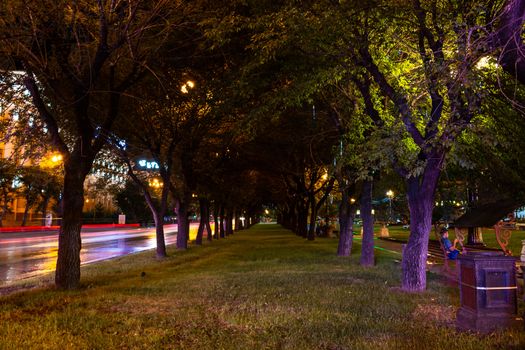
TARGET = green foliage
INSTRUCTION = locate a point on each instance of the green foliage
(489, 153)
(39, 186)
(8, 172)
(33, 181)
(19, 122)
(131, 202)
(302, 51)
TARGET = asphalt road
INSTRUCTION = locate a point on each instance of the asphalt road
(28, 254)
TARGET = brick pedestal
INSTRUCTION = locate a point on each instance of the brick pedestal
(488, 292)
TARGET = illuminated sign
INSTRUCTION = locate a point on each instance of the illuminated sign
(146, 164)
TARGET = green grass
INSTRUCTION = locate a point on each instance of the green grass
(264, 288)
(489, 237)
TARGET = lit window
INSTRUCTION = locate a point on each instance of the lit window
(16, 182)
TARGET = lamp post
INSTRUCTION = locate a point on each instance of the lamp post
(390, 195)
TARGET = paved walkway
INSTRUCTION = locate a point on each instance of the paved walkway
(436, 261)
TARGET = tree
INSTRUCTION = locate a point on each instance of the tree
(79, 59)
(358, 161)
(33, 180)
(433, 123)
(131, 202)
(154, 139)
(7, 176)
(204, 222)
(487, 158)
(24, 133)
(426, 92)
(303, 52)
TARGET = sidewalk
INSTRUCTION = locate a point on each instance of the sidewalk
(435, 259)
(436, 262)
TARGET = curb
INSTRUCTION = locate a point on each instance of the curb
(55, 228)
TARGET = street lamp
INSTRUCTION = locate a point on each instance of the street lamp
(56, 158)
(189, 84)
(155, 183)
(390, 195)
(51, 160)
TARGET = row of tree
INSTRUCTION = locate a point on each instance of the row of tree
(137, 78)
(404, 82)
(283, 101)
(39, 188)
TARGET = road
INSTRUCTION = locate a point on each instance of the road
(28, 254)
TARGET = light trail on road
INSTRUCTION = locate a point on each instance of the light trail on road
(28, 254)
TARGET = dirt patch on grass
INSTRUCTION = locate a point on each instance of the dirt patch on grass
(147, 306)
(439, 315)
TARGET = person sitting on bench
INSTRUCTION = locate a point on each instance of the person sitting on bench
(450, 248)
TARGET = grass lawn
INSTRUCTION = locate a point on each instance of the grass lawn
(489, 237)
(264, 288)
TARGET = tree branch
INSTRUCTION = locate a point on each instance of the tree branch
(398, 99)
(508, 39)
(370, 110)
(47, 117)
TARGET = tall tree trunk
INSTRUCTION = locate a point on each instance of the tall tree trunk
(302, 219)
(183, 224)
(228, 222)
(208, 227)
(313, 217)
(291, 217)
(317, 206)
(224, 220)
(205, 213)
(5, 204)
(67, 274)
(420, 197)
(202, 221)
(238, 225)
(45, 203)
(367, 243)
(346, 225)
(297, 219)
(231, 218)
(158, 218)
(221, 222)
(215, 221)
(26, 213)
(200, 231)
(157, 213)
(475, 236)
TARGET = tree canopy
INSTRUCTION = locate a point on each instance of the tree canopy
(250, 103)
